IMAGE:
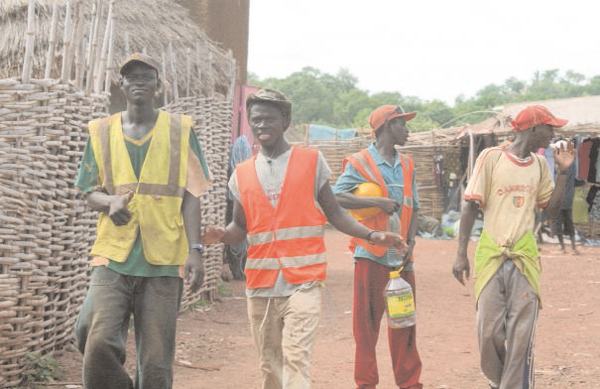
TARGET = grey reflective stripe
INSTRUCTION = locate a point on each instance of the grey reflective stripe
(175, 157)
(260, 238)
(286, 234)
(104, 135)
(122, 189)
(365, 165)
(305, 260)
(408, 201)
(273, 263)
(160, 190)
(262, 264)
(151, 189)
(300, 232)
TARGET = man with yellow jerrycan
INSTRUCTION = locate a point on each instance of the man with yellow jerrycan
(378, 179)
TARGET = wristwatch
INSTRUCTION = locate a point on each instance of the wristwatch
(197, 246)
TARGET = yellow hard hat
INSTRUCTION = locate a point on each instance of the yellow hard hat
(369, 189)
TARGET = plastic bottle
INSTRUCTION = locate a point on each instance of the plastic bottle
(399, 302)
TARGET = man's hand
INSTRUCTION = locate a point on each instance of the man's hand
(118, 212)
(388, 206)
(389, 239)
(194, 270)
(461, 268)
(564, 156)
(409, 252)
(213, 235)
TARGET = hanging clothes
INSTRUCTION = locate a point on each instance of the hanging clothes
(593, 171)
(583, 154)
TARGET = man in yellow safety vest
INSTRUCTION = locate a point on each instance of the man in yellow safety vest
(142, 170)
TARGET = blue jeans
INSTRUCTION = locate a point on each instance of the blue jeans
(103, 323)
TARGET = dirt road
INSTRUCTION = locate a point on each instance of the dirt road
(216, 339)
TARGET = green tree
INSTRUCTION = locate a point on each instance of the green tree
(335, 100)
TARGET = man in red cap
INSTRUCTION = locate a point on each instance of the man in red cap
(382, 164)
(507, 184)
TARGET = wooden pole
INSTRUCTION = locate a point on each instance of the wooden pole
(66, 42)
(127, 50)
(173, 72)
(52, 42)
(104, 51)
(164, 75)
(232, 71)
(93, 47)
(29, 47)
(188, 70)
(78, 38)
(199, 64)
(109, 67)
(209, 59)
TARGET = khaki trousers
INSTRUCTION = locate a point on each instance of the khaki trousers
(284, 330)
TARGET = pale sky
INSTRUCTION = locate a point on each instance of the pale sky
(425, 48)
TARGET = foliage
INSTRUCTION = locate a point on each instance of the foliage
(43, 369)
(335, 100)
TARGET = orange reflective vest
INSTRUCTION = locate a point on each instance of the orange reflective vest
(364, 163)
(289, 236)
(158, 192)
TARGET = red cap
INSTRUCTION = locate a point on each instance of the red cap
(536, 115)
(385, 113)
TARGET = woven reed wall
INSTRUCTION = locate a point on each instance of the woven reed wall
(45, 228)
(212, 124)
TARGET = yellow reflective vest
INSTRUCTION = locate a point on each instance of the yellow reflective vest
(158, 194)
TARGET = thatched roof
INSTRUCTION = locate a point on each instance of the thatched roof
(139, 25)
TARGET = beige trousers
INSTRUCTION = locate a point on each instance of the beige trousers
(284, 330)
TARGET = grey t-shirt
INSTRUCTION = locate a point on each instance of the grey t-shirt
(271, 175)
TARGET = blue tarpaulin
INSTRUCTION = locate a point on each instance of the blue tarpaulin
(317, 132)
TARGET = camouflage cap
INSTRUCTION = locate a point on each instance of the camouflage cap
(271, 96)
(139, 57)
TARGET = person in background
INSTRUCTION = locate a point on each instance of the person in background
(394, 173)
(562, 223)
(142, 170)
(507, 184)
(282, 200)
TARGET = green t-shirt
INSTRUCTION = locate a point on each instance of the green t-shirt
(88, 181)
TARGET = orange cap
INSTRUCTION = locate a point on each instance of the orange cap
(536, 115)
(385, 113)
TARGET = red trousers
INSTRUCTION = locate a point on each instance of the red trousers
(370, 279)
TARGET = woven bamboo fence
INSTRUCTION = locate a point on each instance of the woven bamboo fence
(213, 126)
(46, 228)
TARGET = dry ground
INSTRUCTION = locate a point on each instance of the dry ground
(216, 339)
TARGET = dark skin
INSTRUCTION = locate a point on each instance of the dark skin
(140, 84)
(392, 133)
(525, 143)
(268, 124)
